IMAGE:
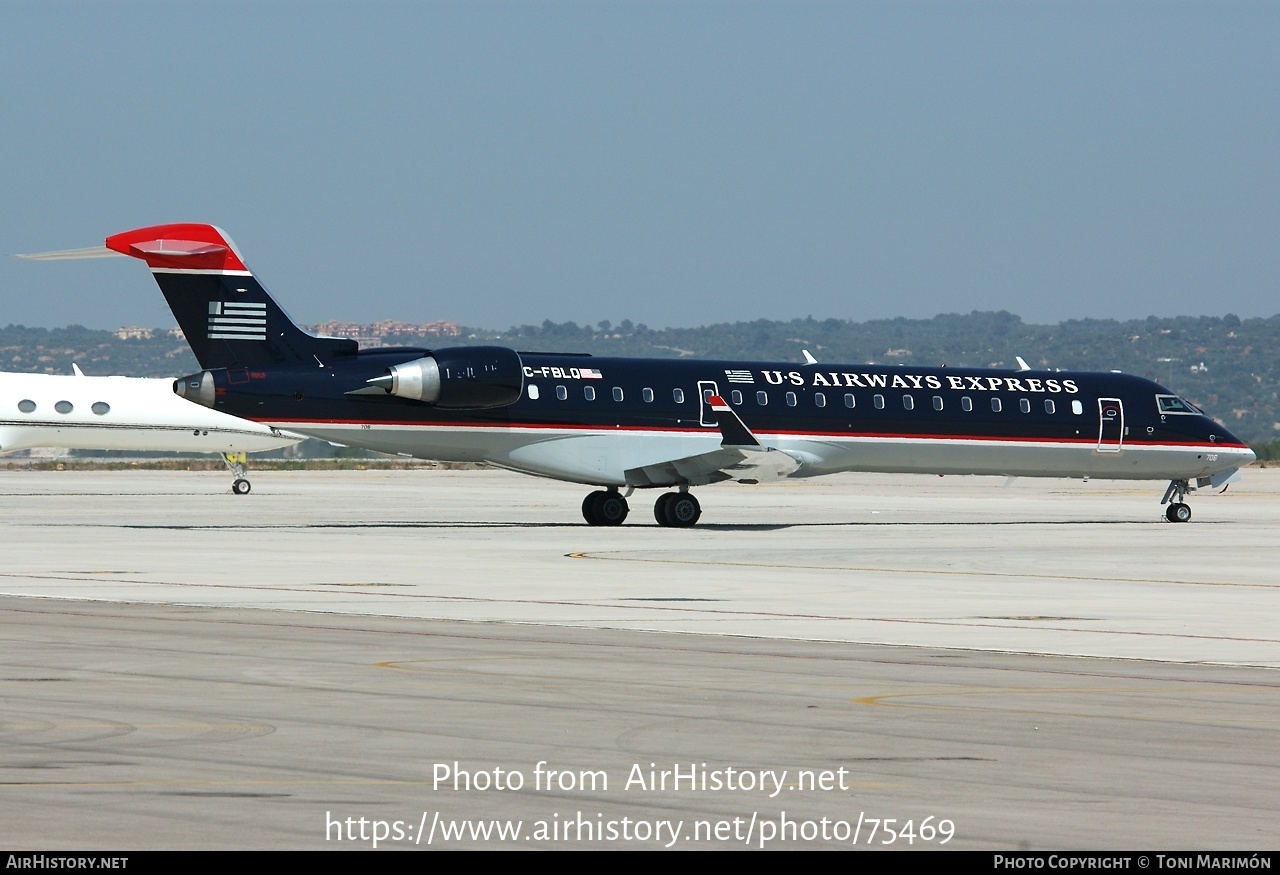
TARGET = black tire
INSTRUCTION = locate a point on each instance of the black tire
(1178, 513)
(611, 509)
(682, 510)
(660, 508)
(590, 507)
(241, 487)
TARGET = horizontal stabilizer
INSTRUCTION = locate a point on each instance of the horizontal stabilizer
(69, 254)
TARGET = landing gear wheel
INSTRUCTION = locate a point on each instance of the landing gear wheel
(611, 509)
(660, 508)
(241, 486)
(604, 508)
(1178, 513)
(682, 510)
(589, 507)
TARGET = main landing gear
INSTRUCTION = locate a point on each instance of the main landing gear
(1179, 511)
(236, 462)
(677, 510)
(607, 507)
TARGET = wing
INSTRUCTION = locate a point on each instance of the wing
(741, 457)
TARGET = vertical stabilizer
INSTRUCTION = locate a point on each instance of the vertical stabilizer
(228, 318)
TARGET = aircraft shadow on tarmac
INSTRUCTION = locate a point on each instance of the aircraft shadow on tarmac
(708, 527)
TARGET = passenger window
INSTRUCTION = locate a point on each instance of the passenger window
(562, 393)
(589, 392)
(1076, 407)
(26, 405)
(848, 400)
(966, 404)
(995, 405)
(762, 398)
(908, 402)
(64, 407)
(819, 399)
(1049, 406)
(1024, 405)
(877, 401)
(791, 399)
(737, 397)
(617, 393)
(937, 402)
(647, 395)
(677, 395)
(533, 391)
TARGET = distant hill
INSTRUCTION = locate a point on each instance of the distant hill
(1227, 365)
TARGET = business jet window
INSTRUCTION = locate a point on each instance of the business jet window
(101, 408)
(26, 405)
(877, 401)
(677, 395)
(791, 399)
(589, 392)
(995, 405)
(617, 393)
(1174, 404)
(762, 398)
(533, 391)
(937, 402)
(1024, 405)
(819, 399)
(647, 395)
(1076, 407)
(562, 393)
(848, 400)
(64, 407)
(1049, 406)
(736, 395)
(966, 404)
(908, 402)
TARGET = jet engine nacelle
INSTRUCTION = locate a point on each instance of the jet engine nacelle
(461, 378)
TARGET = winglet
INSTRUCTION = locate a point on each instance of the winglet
(182, 246)
(733, 431)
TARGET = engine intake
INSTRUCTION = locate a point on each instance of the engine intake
(460, 378)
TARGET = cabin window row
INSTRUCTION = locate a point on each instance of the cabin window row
(819, 399)
(101, 408)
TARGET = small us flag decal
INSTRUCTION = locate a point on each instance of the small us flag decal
(739, 376)
(237, 320)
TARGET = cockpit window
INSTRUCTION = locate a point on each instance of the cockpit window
(1174, 404)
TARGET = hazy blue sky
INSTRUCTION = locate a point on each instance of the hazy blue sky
(671, 163)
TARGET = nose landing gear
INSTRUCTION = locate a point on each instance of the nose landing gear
(236, 462)
(1179, 511)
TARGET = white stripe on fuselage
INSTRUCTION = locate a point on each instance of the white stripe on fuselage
(602, 455)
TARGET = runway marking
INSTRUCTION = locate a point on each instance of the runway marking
(615, 605)
(245, 783)
(603, 556)
(880, 701)
(930, 654)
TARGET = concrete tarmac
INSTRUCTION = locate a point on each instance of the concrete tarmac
(186, 668)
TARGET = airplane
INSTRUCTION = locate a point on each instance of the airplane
(626, 424)
(124, 413)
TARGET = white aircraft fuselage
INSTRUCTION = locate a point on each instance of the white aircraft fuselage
(119, 413)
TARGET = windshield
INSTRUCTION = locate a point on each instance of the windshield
(1174, 404)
